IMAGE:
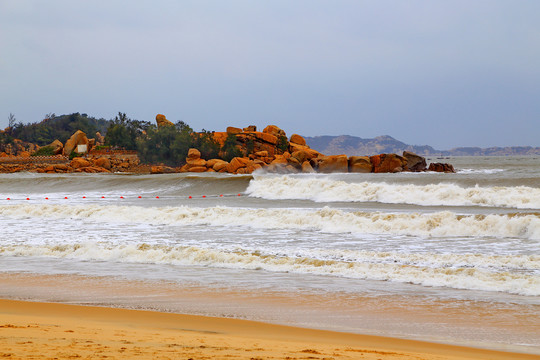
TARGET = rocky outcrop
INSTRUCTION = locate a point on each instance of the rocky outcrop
(440, 167)
(161, 121)
(360, 164)
(414, 162)
(274, 130)
(388, 163)
(333, 163)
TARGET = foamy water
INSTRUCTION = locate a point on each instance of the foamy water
(471, 235)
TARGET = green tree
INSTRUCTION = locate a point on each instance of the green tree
(229, 149)
(282, 144)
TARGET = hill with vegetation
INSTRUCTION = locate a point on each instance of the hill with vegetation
(356, 146)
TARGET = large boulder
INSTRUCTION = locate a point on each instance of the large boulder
(388, 163)
(193, 154)
(266, 137)
(195, 162)
(274, 130)
(333, 163)
(360, 164)
(237, 163)
(307, 168)
(233, 130)
(57, 146)
(440, 167)
(297, 139)
(415, 162)
(78, 138)
(103, 162)
(161, 121)
(79, 162)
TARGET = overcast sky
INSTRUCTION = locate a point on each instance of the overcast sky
(441, 73)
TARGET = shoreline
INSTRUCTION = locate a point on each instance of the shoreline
(66, 331)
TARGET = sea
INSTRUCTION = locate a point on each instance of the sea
(444, 257)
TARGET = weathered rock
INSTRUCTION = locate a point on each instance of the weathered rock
(57, 146)
(440, 167)
(388, 163)
(92, 169)
(274, 130)
(279, 160)
(266, 137)
(415, 162)
(261, 154)
(161, 169)
(24, 154)
(297, 139)
(100, 139)
(195, 163)
(233, 130)
(237, 163)
(333, 163)
(193, 154)
(295, 147)
(198, 169)
(103, 162)
(161, 121)
(360, 164)
(78, 138)
(250, 128)
(253, 166)
(219, 166)
(61, 167)
(307, 168)
(304, 154)
(79, 162)
(210, 163)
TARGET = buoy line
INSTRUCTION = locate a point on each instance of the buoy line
(121, 197)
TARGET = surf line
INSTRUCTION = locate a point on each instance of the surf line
(121, 197)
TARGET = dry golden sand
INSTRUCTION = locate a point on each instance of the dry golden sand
(32, 330)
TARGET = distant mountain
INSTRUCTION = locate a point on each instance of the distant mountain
(353, 145)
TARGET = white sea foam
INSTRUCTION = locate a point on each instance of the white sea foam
(511, 274)
(439, 224)
(443, 194)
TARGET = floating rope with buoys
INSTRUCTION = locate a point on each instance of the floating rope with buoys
(120, 197)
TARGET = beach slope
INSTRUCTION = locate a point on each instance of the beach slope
(48, 330)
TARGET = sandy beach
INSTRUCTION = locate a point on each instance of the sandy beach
(58, 331)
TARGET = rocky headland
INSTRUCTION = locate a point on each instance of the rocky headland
(269, 150)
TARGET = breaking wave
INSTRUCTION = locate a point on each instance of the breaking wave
(442, 194)
(438, 224)
(511, 274)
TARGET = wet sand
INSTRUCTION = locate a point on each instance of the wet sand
(47, 330)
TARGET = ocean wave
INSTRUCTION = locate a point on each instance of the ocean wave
(321, 189)
(329, 220)
(164, 184)
(518, 274)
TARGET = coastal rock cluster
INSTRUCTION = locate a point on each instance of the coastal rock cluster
(272, 152)
(269, 150)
